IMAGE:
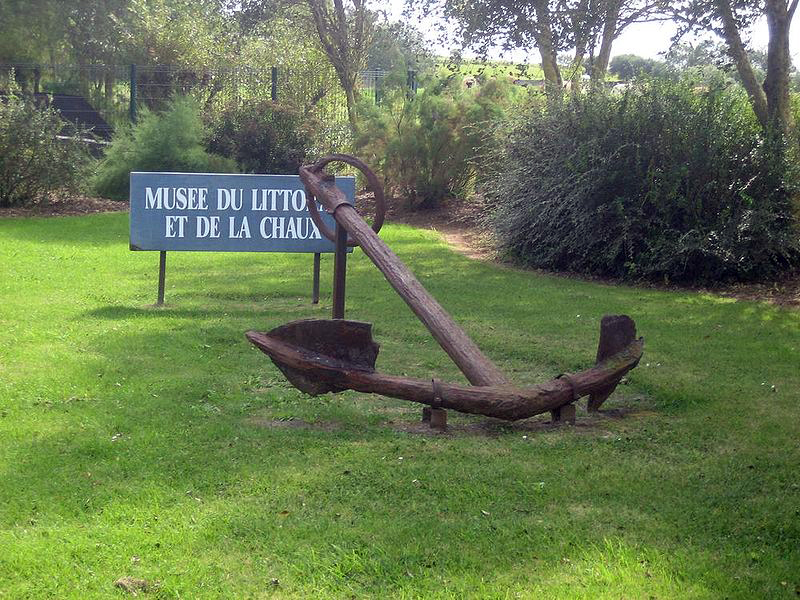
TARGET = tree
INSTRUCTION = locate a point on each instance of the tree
(345, 34)
(94, 33)
(31, 32)
(730, 19)
(188, 33)
(617, 15)
(628, 66)
(687, 56)
(344, 29)
(397, 46)
(550, 26)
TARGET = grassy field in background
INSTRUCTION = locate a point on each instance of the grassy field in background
(158, 444)
(499, 69)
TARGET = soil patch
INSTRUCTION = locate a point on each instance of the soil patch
(59, 206)
(294, 424)
(488, 427)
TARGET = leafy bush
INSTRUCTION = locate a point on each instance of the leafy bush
(263, 137)
(663, 182)
(427, 146)
(171, 141)
(630, 66)
(33, 160)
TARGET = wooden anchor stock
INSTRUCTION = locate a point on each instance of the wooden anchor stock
(319, 356)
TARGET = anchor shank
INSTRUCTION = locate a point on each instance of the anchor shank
(477, 368)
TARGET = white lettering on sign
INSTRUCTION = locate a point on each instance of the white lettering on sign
(176, 198)
(267, 199)
(299, 200)
(151, 201)
(288, 228)
(207, 227)
(229, 199)
(242, 230)
(172, 222)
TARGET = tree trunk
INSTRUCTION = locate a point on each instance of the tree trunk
(345, 45)
(350, 95)
(581, 26)
(552, 73)
(779, 64)
(108, 84)
(576, 71)
(548, 50)
(348, 82)
(600, 65)
(736, 49)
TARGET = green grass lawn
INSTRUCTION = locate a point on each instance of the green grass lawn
(133, 439)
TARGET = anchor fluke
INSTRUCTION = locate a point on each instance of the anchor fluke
(329, 347)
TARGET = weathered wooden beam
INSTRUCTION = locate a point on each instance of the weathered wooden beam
(503, 401)
(616, 332)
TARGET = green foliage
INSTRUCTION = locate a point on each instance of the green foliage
(171, 141)
(33, 160)
(664, 182)
(398, 45)
(263, 137)
(428, 146)
(630, 66)
(170, 32)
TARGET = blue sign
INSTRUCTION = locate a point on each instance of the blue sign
(226, 213)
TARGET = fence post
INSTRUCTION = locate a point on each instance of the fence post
(133, 94)
(274, 84)
(411, 81)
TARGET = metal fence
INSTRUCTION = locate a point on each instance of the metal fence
(119, 92)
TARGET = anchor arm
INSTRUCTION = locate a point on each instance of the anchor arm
(500, 401)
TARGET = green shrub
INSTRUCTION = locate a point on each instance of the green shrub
(263, 137)
(170, 141)
(427, 146)
(666, 182)
(630, 66)
(39, 153)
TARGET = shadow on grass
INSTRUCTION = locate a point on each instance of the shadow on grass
(175, 435)
(162, 428)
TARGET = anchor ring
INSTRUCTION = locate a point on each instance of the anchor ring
(373, 184)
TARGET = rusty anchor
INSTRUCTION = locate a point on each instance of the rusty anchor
(319, 355)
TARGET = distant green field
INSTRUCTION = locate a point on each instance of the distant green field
(158, 444)
(501, 69)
